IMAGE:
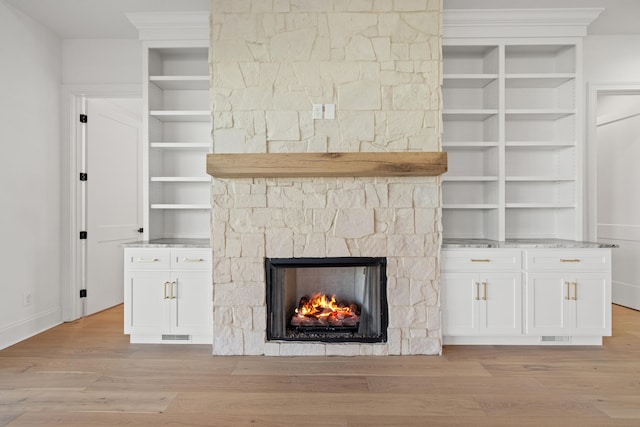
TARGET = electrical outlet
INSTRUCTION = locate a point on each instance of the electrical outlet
(329, 111)
(27, 299)
(316, 111)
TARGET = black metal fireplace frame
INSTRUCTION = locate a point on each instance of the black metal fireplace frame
(271, 264)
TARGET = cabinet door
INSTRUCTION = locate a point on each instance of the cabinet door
(501, 304)
(145, 301)
(547, 304)
(592, 293)
(460, 297)
(191, 310)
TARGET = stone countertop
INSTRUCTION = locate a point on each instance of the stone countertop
(169, 243)
(523, 243)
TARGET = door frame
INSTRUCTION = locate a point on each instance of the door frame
(73, 249)
(590, 192)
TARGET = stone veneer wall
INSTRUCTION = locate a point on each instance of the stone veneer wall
(379, 61)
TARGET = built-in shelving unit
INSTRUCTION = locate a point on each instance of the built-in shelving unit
(511, 127)
(179, 138)
(513, 117)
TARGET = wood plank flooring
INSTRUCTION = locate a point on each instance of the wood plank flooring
(86, 373)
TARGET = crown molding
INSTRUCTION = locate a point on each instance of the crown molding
(556, 22)
(171, 25)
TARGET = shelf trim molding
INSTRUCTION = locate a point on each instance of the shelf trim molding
(170, 25)
(556, 22)
(289, 165)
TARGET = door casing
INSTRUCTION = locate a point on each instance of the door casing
(72, 203)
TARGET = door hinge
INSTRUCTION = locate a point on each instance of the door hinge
(83, 293)
(83, 235)
(83, 176)
(83, 118)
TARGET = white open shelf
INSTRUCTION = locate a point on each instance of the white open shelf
(511, 128)
(179, 137)
(181, 82)
(180, 206)
(180, 179)
(181, 116)
(204, 146)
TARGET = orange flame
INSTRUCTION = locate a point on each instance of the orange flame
(324, 310)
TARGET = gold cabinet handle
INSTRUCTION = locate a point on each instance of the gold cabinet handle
(480, 260)
(567, 296)
(575, 291)
(147, 260)
(164, 286)
(570, 260)
(192, 260)
(477, 290)
(484, 291)
(173, 296)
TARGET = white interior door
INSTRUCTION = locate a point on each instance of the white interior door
(114, 195)
(618, 191)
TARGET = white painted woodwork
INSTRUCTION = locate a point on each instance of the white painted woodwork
(511, 126)
(177, 118)
(481, 293)
(168, 292)
(553, 296)
(114, 201)
(568, 303)
(486, 304)
(513, 123)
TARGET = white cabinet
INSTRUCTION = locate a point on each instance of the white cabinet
(565, 298)
(168, 295)
(481, 292)
(178, 136)
(568, 293)
(488, 303)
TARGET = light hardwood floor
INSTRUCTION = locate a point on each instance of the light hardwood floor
(86, 373)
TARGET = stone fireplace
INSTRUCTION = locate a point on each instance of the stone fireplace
(379, 62)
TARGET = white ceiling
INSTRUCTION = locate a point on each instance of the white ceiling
(105, 18)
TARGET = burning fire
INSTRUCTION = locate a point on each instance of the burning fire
(320, 310)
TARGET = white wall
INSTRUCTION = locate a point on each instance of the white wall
(101, 61)
(612, 63)
(612, 59)
(29, 177)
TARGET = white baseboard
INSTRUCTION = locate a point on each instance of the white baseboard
(26, 328)
(626, 295)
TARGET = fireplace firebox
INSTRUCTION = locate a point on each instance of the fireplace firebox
(327, 299)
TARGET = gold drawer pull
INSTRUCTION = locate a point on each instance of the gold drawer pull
(192, 260)
(147, 260)
(480, 260)
(570, 260)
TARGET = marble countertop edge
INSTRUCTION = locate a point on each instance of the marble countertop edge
(169, 243)
(524, 243)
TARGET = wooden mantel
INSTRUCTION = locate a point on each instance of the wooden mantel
(288, 165)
